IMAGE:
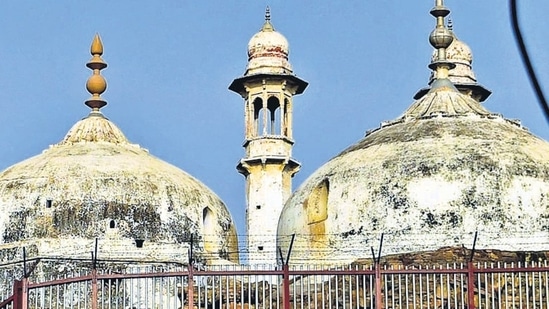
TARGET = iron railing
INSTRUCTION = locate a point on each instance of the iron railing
(470, 285)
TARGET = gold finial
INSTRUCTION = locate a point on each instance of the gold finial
(440, 39)
(96, 84)
(267, 26)
(97, 46)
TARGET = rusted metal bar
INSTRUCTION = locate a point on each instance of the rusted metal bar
(190, 280)
(190, 288)
(379, 295)
(5, 303)
(61, 281)
(388, 271)
(432, 271)
(224, 287)
(286, 286)
(24, 293)
(522, 269)
(15, 299)
(94, 289)
(471, 276)
(18, 294)
(471, 285)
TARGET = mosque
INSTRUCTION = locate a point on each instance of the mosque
(443, 169)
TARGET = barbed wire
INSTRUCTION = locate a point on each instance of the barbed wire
(326, 246)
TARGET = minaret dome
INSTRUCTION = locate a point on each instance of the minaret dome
(268, 51)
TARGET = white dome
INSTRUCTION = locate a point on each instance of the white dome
(96, 184)
(429, 179)
(268, 52)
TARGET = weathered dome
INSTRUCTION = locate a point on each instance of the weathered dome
(94, 128)
(268, 51)
(443, 170)
(95, 184)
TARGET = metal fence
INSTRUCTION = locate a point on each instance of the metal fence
(470, 285)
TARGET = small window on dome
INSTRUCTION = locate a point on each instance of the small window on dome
(257, 206)
(48, 203)
(260, 248)
(139, 243)
(112, 224)
(209, 225)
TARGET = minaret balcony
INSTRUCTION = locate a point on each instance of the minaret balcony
(268, 145)
(287, 164)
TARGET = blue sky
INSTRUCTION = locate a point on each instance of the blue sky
(171, 61)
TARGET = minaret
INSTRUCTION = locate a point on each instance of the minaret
(267, 87)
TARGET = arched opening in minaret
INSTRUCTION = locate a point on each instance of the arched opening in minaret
(259, 117)
(208, 229)
(285, 121)
(273, 105)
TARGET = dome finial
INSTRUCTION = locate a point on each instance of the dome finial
(96, 84)
(440, 39)
(267, 26)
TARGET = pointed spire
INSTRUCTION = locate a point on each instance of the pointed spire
(267, 26)
(440, 39)
(96, 84)
(268, 13)
(443, 98)
(462, 74)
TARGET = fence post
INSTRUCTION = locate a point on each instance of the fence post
(94, 276)
(471, 277)
(286, 286)
(379, 302)
(190, 288)
(286, 275)
(17, 293)
(190, 280)
(379, 296)
(24, 285)
(471, 285)
(24, 293)
(94, 289)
